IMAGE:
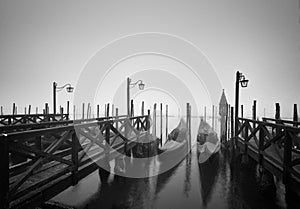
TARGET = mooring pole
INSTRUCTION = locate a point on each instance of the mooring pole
(154, 122)
(204, 113)
(74, 112)
(161, 123)
(166, 122)
(132, 109)
(82, 111)
(295, 115)
(232, 126)
(237, 92)
(68, 110)
(212, 117)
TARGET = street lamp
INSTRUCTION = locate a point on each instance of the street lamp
(240, 79)
(56, 88)
(129, 86)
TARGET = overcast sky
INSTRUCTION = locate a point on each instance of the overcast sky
(46, 41)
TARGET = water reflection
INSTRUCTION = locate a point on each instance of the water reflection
(208, 172)
(221, 182)
(124, 192)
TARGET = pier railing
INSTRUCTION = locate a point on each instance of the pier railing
(17, 119)
(274, 144)
(32, 126)
(58, 157)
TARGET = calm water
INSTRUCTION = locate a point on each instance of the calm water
(223, 182)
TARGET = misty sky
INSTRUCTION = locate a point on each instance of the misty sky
(46, 41)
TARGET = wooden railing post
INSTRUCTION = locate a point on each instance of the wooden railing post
(287, 157)
(246, 142)
(260, 144)
(68, 110)
(75, 162)
(148, 121)
(277, 115)
(4, 172)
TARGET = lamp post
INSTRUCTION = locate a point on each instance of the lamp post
(56, 88)
(129, 86)
(240, 79)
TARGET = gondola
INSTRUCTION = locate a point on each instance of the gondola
(207, 142)
(175, 148)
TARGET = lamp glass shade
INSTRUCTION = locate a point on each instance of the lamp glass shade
(70, 89)
(141, 86)
(244, 83)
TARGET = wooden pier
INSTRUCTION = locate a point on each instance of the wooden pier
(60, 153)
(274, 144)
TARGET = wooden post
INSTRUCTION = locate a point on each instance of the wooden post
(216, 117)
(154, 121)
(212, 117)
(161, 123)
(68, 110)
(46, 113)
(204, 113)
(287, 157)
(260, 145)
(61, 113)
(98, 111)
(4, 174)
(277, 111)
(254, 110)
(229, 121)
(13, 113)
(74, 112)
(112, 110)
(29, 109)
(82, 111)
(277, 115)
(295, 115)
(245, 156)
(132, 108)
(148, 120)
(36, 110)
(117, 114)
(75, 159)
(188, 123)
(14, 109)
(242, 111)
(1, 110)
(167, 122)
(88, 111)
(232, 126)
(107, 110)
(143, 104)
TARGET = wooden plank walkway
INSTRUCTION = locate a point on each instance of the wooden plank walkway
(274, 144)
(69, 157)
